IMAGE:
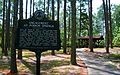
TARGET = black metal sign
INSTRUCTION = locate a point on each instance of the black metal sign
(38, 35)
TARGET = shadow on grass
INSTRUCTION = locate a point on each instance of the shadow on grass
(52, 64)
(113, 56)
(45, 67)
(29, 65)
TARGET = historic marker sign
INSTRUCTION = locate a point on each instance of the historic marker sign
(38, 35)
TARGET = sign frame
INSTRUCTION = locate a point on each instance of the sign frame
(40, 26)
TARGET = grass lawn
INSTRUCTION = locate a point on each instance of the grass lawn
(50, 65)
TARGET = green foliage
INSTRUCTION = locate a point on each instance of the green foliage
(0, 6)
(0, 34)
(98, 21)
(116, 40)
(84, 21)
(101, 44)
(62, 36)
(84, 18)
(116, 25)
(39, 4)
(116, 18)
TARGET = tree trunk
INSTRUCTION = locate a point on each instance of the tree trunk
(64, 44)
(53, 10)
(21, 17)
(107, 29)
(105, 6)
(33, 5)
(13, 66)
(110, 24)
(53, 51)
(6, 30)
(80, 20)
(30, 7)
(26, 9)
(3, 26)
(44, 6)
(48, 8)
(7, 41)
(58, 9)
(90, 27)
(69, 28)
(73, 35)
(80, 25)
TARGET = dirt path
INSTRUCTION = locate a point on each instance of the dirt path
(97, 65)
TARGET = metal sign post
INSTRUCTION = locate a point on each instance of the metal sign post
(38, 56)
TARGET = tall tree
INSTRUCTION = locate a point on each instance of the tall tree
(80, 18)
(69, 27)
(84, 19)
(53, 51)
(30, 7)
(7, 41)
(44, 6)
(90, 27)
(13, 65)
(107, 28)
(21, 17)
(48, 4)
(3, 27)
(80, 2)
(110, 24)
(53, 14)
(58, 9)
(1, 6)
(33, 5)
(73, 31)
(65, 40)
(105, 6)
(26, 9)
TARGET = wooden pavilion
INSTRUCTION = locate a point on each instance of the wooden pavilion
(84, 41)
